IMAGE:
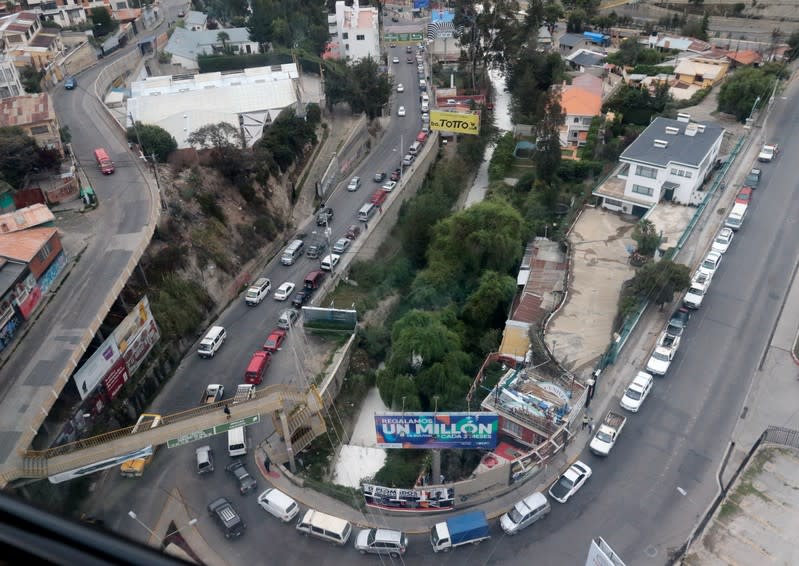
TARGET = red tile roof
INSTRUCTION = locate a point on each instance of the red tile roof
(24, 245)
(745, 57)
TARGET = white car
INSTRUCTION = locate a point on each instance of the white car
(569, 482)
(389, 186)
(710, 264)
(278, 504)
(284, 291)
(768, 152)
(723, 240)
(354, 184)
(395, 60)
(636, 393)
(329, 262)
(341, 245)
(526, 512)
(660, 360)
(696, 291)
(400, 88)
(401, 111)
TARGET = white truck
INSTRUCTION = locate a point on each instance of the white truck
(213, 393)
(244, 392)
(696, 291)
(607, 434)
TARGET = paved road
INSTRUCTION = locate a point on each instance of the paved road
(247, 328)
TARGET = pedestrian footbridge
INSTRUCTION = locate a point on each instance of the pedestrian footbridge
(298, 416)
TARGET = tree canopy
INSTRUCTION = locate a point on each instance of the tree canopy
(360, 84)
(739, 92)
(20, 155)
(154, 140)
(298, 24)
(658, 281)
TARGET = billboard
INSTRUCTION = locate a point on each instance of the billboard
(136, 335)
(600, 554)
(416, 500)
(457, 122)
(420, 4)
(96, 367)
(437, 430)
(101, 465)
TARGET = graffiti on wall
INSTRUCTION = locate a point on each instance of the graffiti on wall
(52, 273)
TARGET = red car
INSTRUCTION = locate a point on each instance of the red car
(396, 174)
(744, 195)
(274, 341)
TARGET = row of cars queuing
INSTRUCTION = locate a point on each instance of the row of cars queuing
(669, 340)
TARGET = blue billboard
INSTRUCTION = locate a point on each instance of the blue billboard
(437, 430)
(421, 4)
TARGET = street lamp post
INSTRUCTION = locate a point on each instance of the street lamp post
(132, 514)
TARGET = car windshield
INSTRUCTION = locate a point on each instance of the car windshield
(633, 394)
(564, 483)
(660, 356)
(603, 436)
(695, 291)
(722, 240)
(743, 196)
(709, 264)
(514, 515)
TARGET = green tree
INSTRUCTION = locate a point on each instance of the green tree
(293, 24)
(223, 37)
(31, 79)
(502, 159)
(20, 156)
(487, 306)
(547, 154)
(646, 236)
(738, 93)
(154, 140)
(360, 84)
(225, 142)
(102, 22)
(658, 281)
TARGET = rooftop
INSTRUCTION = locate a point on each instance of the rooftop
(24, 245)
(693, 67)
(744, 57)
(195, 18)
(24, 218)
(687, 149)
(571, 39)
(576, 101)
(586, 58)
(589, 82)
(189, 44)
(26, 109)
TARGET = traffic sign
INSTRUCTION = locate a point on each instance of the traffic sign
(208, 432)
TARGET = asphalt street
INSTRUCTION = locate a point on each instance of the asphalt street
(247, 328)
(632, 499)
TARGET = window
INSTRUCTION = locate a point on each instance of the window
(641, 190)
(345, 35)
(36, 130)
(613, 202)
(360, 37)
(576, 120)
(45, 251)
(512, 427)
(648, 172)
(682, 173)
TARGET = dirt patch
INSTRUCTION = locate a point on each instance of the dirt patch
(378, 315)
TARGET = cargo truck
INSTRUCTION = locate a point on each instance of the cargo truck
(469, 528)
(135, 468)
(605, 438)
(244, 392)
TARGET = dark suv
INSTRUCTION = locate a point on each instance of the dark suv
(247, 483)
(231, 522)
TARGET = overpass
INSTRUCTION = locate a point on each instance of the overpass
(299, 414)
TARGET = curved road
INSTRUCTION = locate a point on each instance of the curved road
(632, 500)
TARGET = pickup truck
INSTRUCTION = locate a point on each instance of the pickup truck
(678, 322)
(669, 341)
(317, 246)
(768, 152)
(696, 292)
(213, 393)
(660, 360)
(244, 392)
(607, 434)
(469, 528)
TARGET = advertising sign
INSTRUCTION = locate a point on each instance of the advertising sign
(600, 554)
(115, 378)
(457, 122)
(437, 430)
(421, 4)
(136, 335)
(96, 367)
(101, 465)
(416, 500)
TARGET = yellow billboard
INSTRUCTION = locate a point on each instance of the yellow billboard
(457, 122)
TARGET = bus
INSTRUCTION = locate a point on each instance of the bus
(103, 161)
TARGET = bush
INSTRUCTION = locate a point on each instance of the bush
(210, 207)
(572, 171)
(180, 307)
(401, 468)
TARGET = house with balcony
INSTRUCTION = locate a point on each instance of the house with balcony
(354, 32)
(10, 85)
(34, 113)
(581, 102)
(185, 46)
(27, 42)
(669, 161)
(62, 12)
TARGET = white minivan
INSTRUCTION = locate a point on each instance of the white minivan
(325, 527)
(278, 504)
(236, 442)
(212, 341)
(526, 512)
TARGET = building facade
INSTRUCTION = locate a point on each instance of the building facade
(354, 32)
(34, 113)
(10, 85)
(185, 46)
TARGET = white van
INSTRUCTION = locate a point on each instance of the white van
(236, 442)
(415, 147)
(278, 504)
(367, 211)
(212, 342)
(526, 512)
(422, 85)
(292, 252)
(736, 217)
(324, 527)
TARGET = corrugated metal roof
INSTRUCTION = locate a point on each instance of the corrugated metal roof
(688, 150)
(24, 218)
(23, 246)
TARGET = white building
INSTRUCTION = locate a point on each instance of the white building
(195, 21)
(10, 84)
(186, 45)
(354, 32)
(669, 161)
(249, 100)
(63, 12)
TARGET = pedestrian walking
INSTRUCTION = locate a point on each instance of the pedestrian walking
(585, 421)
(227, 411)
(267, 463)
(590, 426)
